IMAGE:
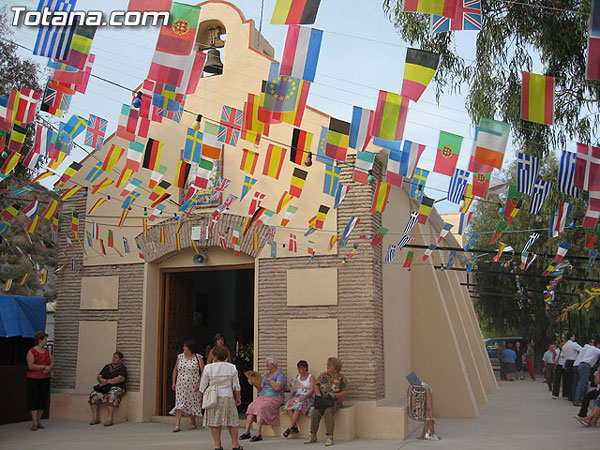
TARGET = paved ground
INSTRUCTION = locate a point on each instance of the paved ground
(521, 415)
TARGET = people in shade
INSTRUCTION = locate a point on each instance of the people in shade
(592, 419)
(549, 359)
(559, 371)
(224, 376)
(109, 390)
(518, 361)
(586, 359)
(333, 384)
(590, 395)
(529, 359)
(265, 409)
(569, 351)
(500, 355)
(219, 342)
(186, 384)
(302, 401)
(510, 358)
(39, 371)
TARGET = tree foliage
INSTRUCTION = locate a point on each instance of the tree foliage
(501, 309)
(546, 36)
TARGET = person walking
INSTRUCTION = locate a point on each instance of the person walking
(586, 359)
(219, 342)
(39, 364)
(570, 352)
(529, 359)
(549, 359)
(559, 371)
(224, 377)
(186, 384)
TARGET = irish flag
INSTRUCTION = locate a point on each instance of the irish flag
(491, 141)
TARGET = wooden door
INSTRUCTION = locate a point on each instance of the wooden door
(178, 310)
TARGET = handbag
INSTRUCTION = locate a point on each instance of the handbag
(324, 402)
(103, 388)
(209, 399)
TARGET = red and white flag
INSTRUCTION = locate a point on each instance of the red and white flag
(222, 240)
(293, 247)
(255, 203)
(587, 168)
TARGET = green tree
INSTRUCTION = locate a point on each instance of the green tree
(517, 36)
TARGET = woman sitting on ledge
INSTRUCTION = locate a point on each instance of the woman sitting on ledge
(330, 384)
(110, 390)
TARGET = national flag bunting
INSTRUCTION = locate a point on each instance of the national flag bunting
(230, 125)
(340, 194)
(96, 130)
(418, 182)
(528, 167)
(446, 8)
(301, 52)
(491, 138)
(298, 180)
(467, 18)
(448, 150)
(300, 148)
(537, 98)
(274, 161)
(587, 168)
(566, 174)
(360, 128)
(380, 197)
(338, 139)
(291, 210)
(331, 179)
(425, 209)
(541, 190)
(458, 183)
(363, 165)
(419, 68)
(295, 12)
(390, 116)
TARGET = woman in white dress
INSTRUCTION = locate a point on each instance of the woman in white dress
(186, 384)
(302, 402)
(224, 376)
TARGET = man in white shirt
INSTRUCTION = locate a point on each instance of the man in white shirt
(585, 360)
(549, 359)
(569, 351)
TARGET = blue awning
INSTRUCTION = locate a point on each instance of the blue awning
(22, 316)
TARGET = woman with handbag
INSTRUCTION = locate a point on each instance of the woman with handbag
(331, 389)
(302, 402)
(110, 389)
(265, 409)
(220, 393)
(39, 365)
(186, 384)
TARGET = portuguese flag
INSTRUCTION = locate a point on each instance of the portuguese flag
(447, 154)
(177, 37)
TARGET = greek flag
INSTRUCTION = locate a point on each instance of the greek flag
(532, 238)
(566, 174)
(472, 242)
(412, 221)
(527, 171)
(55, 41)
(451, 260)
(405, 240)
(541, 189)
(389, 257)
(458, 183)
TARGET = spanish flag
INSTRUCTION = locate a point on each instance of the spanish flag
(274, 161)
(252, 128)
(33, 223)
(70, 193)
(501, 247)
(178, 241)
(537, 98)
(51, 210)
(445, 8)
(23, 279)
(114, 154)
(419, 68)
(295, 12)
(123, 217)
(284, 200)
(96, 205)
(249, 160)
(381, 196)
(390, 116)
(10, 163)
(42, 176)
(103, 184)
(162, 234)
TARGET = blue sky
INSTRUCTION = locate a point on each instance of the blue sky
(361, 53)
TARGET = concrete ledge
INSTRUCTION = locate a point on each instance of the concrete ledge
(76, 407)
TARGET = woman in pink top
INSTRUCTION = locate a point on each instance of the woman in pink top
(40, 364)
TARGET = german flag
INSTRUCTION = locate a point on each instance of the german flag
(298, 180)
(152, 154)
(181, 173)
(537, 98)
(381, 196)
(419, 68)
(301, 143)
(295, 12)
(274, 161)
(69, 172)
(249, 160)
(425, 209)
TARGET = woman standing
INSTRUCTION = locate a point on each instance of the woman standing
(219, 342)
(302, 401)
(186, 384)
(333, 384)
(224, 376)
(518, 361)
(40, 365)
(265, 409)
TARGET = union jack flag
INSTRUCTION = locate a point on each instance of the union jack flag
(222, 184)
(231, 124)
(467, 18)
(55, 101)
(96, 130)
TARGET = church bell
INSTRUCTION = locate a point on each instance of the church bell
(213, 62)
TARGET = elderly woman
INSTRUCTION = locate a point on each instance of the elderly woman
(224, 377)
(39, 365)
(302, 401)
(186, 384)
(265, 409)
(110, 389)
(332, 384)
